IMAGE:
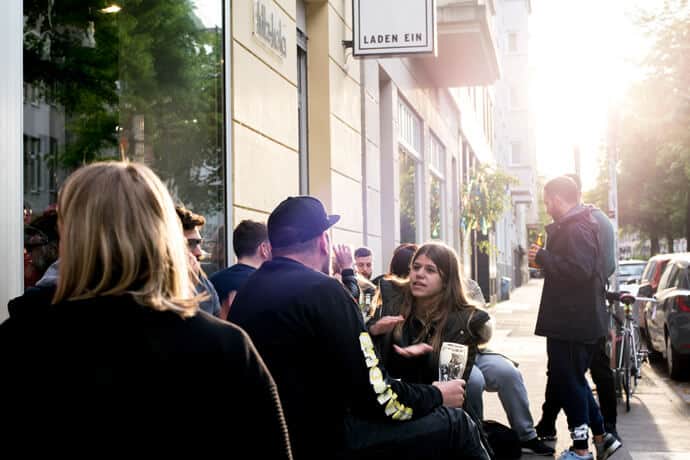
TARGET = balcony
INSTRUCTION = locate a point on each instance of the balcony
(466, 48)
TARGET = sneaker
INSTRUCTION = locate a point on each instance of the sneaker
(537, 447)
(546, 434)
(611, 428)
(571, 455)
(607, 447)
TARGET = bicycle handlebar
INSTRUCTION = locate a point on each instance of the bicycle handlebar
(622, 297)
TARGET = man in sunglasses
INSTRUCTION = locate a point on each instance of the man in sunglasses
(191, 225)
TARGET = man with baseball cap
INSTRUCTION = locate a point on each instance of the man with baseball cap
(339, 401)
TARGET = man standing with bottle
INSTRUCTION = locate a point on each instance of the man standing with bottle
(572, 314)
(600, 367)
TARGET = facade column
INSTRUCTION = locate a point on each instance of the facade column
(11, 173)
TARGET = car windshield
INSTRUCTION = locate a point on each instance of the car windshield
(631, 269)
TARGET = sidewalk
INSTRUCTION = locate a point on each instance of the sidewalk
(656, 428)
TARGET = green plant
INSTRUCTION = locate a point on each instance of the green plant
(485, 199)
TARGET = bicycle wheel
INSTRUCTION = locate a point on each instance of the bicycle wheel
(627, 370)
(636, 357)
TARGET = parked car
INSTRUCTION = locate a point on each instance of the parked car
(667, 321)
(630, 271)
(650, 281)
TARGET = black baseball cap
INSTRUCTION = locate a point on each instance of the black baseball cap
(298, 219)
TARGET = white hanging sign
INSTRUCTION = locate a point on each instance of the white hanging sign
(393, 27)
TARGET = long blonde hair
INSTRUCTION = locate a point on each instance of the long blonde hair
(120, 235)
(452, 295)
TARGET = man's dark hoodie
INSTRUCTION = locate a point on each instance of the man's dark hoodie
(573, 299)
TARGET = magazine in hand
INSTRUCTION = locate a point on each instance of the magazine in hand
(452, 361)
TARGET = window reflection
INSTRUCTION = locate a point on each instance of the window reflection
(435, 205)
(408, 202)
(143, 82)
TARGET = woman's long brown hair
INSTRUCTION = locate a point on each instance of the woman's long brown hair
(452, 296)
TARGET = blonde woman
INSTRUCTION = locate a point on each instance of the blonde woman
(122, 346)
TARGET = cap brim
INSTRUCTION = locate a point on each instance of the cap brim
(333, 219)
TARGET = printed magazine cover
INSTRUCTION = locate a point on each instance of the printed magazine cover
(452, 361)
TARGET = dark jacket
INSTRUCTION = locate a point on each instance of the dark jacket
(572, 302)
(464, 326)
(606, 239)
(349, 280)
(311, 334)
(110, 371)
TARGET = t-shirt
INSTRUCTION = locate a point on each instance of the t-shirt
(231, 279)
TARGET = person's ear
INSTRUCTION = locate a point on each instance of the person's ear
(265, 248)
(325, 243)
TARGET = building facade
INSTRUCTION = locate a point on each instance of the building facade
(239, 104)
(515, 147)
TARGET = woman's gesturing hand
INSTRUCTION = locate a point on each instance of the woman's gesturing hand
(413, 351)
(385, 325)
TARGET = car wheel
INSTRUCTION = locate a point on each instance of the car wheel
(653, 355)
(677, 366)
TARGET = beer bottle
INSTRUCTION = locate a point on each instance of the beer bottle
(540, 243)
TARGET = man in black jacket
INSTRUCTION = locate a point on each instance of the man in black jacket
(572, 314)
(339, 402)
(600, 368)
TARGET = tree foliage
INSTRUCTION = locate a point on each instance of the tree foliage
(485, 199)
(145, 83)
(652, 132)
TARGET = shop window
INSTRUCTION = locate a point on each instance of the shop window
(436, 195)
(410, 139)
(409, 209)
(302, 112)
(126, 84)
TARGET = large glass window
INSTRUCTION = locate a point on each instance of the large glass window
(436, 196)
(410, 139)
(302, 112)
(136, 79)
(408, 198)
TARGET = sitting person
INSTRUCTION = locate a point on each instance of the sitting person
(191, 225)
(339, 400)
(121, 347)
(400, 263)
(496, 373)
(491, 371)
(360, 288)
(251, 246)
(432, 308)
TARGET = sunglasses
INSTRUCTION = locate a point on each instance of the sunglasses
(194, 242)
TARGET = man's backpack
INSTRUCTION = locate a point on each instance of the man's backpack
(503, 440)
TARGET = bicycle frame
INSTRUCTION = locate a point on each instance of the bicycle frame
(626, 353)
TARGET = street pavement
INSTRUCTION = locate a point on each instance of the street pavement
(658, 424)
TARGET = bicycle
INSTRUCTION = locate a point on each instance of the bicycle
(626, 348)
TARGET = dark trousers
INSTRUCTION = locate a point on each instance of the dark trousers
(566, 386)
(605, 382)
(443, 434)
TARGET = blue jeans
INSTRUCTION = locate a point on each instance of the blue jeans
(603, 377)
(494, 373)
